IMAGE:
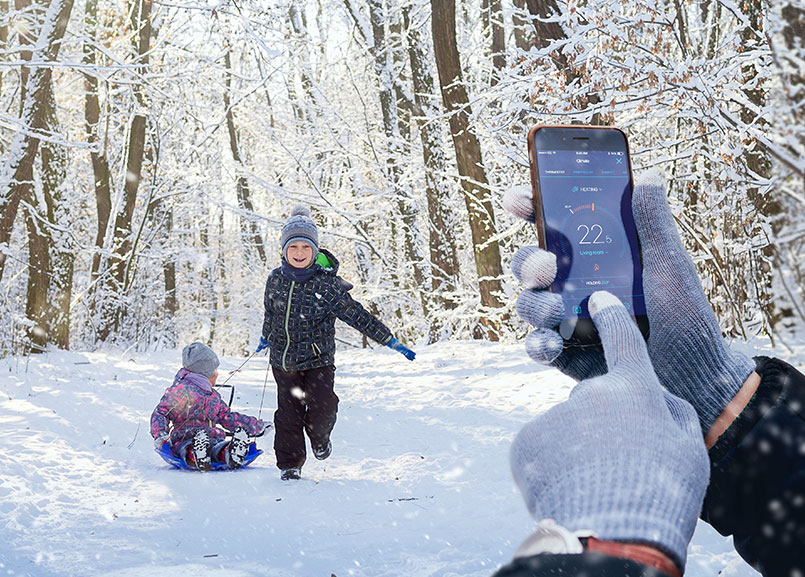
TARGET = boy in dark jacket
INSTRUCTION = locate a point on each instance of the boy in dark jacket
(303, 297)
(191, 413)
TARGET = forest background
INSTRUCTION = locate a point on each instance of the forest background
(151, 151)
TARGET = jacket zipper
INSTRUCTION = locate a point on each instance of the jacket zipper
(287, 334)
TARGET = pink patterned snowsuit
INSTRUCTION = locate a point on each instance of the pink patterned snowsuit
(191, 404)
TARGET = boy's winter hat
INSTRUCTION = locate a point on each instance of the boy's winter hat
(199, 358)
(300, 227)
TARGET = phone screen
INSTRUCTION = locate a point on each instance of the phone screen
(585, 200)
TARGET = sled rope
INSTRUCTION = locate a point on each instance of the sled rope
(263, 396)
(232, 374)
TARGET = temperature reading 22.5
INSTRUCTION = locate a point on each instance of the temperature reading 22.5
(594, 232)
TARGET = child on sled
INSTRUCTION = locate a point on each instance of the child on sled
(191, 413)
(303, 297)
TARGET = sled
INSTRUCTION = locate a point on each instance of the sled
(171, 459)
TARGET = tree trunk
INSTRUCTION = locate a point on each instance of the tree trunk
(16, 177)
(26, 38)
(247, 223)
(404, 199)
(4, 9)
(492, 11)
(111, 309)
(301, 50)
(756, 157)
(794, 37)
(442, 243)
(36, 303)
(468, 158)
(547, 33)
(100, 165)
(523, 33)
(757, 160)
(60, 242)
(398, 59)
(169, 273)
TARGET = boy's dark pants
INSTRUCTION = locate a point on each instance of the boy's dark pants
(306, 402)
(757, 475)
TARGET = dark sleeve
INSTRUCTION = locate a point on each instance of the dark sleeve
(757, 474)
(352, 312)
(267, 306)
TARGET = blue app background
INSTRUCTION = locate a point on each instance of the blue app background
(589, 227)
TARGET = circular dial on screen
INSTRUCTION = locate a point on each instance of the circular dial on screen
(591, 241)
(589, 228)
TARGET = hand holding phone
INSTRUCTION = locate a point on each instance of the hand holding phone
(582, 195)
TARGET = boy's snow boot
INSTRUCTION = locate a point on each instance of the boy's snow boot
(322, 451)
(291, 474)
(201, 450)
(238, 447)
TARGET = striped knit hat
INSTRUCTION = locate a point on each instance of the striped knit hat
(300, 227)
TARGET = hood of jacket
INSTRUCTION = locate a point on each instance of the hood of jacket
(333, 268)
(199, 381)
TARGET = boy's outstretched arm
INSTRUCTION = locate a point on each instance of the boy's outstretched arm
(352, 312)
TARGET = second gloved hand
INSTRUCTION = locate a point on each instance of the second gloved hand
(401, 348)
(263, 345)
(685, 342)
(262, 427)
(621, 457)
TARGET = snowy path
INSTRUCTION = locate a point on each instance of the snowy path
(418, 483)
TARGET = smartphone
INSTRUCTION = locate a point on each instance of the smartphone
(581, 179)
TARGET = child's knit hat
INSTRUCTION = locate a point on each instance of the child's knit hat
(300, 227)
(199, 358)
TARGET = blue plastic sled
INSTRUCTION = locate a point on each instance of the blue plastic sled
(165, 453)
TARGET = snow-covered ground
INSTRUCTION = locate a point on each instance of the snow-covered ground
(418, 483)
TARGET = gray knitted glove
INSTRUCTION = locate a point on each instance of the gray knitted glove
(620, 458)
(685, 343)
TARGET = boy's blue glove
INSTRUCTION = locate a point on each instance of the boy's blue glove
(401, 348)
(263, 345)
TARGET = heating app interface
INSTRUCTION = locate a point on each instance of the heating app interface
(589, 226)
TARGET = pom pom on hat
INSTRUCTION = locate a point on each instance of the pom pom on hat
(300, 210)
